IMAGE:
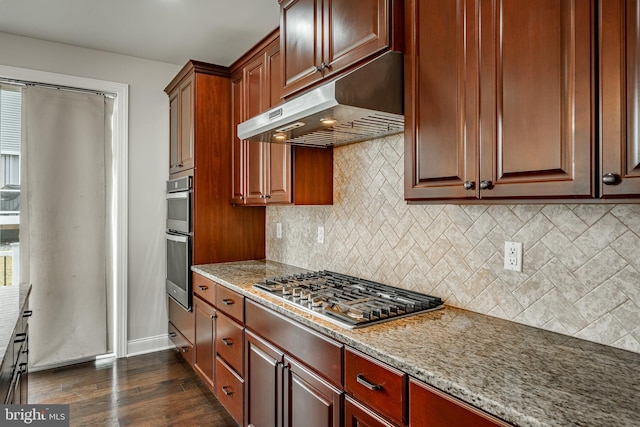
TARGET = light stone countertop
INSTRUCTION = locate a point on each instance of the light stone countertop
(524, 375)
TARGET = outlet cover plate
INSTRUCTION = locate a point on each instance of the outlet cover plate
(513, 256)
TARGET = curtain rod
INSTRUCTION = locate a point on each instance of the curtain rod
(53, 86)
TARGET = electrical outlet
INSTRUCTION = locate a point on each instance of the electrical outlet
(278, 230)
(320, 234)
(513, 256)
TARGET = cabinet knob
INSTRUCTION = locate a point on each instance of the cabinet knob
(484, 185)
(318, 69)
(468, 185)
(324, 65)
(610, 179)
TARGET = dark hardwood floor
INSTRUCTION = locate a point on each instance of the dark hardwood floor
(156, 389)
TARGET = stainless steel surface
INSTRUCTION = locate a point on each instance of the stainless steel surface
(365, 103)
(346, 300)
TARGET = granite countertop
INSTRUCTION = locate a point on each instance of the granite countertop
(12, 299)
(524, 375)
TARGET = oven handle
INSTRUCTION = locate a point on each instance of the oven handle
(178, 195)
(177, 238)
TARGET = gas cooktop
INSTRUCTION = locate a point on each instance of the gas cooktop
(346, 300)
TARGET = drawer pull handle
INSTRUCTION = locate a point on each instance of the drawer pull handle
(203, 288)
(227, 301)
(27, 313)
(227, 341)
(226, 391)
(184, 349)
(21, 337)
(173, 335)
(362, 380)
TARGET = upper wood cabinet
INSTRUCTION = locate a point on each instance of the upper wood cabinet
(181, 108)
(506, 112)
(320, 38)
(268, 173)
(221, 232)
(619, 51)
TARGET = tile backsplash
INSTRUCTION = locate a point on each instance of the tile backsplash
(581, 263)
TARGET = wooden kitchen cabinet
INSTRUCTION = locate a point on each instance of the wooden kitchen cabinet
(429, 407)
(271, 173)
(309, 400)
(358, 415)
(205, 334)
(506, 112)
(263, 374)
(376, 385)
(181, 139)
(283, 392)
(619, 52)
(321, 38)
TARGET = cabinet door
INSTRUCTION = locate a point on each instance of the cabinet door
(174, 130)
(205, 318)
(431, 408)
(358, 415)
(441, 123)
(263, 383)
(620, 97)
(300, 43)
(255, 102)
(353, 30)
(309, 400)
(239, 146)
(536, 108)
(186, 144)
(279, 188)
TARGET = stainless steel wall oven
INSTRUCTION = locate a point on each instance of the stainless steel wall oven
(178, 240)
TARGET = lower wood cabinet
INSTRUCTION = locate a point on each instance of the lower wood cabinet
(268, 370)
(263, 374)
(281, 391)
(429, 407)
(205, 332)
(358, 415)
(376, 385)
(230, 389)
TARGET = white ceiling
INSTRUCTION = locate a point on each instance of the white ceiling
(173, 31)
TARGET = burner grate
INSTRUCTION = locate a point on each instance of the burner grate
(346, 300)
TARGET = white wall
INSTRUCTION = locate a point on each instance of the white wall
(148, 162)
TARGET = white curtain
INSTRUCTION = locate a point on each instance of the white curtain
(65, 243)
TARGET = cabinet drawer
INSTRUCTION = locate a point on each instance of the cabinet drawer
(376, 385)
(320, 353)
(182, 320)
(229, 389)
(182, 344)
(231, 303)
(229, 341)
(204, 288)
(431, 407)
(356, 414)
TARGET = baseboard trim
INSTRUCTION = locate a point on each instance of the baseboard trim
(148, 345)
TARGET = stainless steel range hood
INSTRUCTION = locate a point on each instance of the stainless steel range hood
(363, 104)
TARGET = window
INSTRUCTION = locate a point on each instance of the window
(10, 137)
